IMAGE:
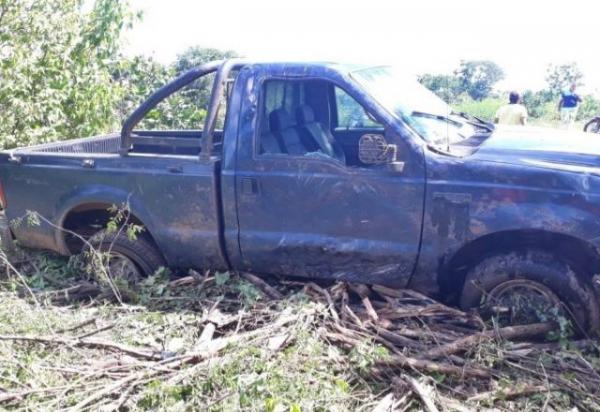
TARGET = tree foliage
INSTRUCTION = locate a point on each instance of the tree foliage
(477, 77)
(62, 74)
(187, 108)
(196, 56)
(470, 89)
(55, 68)
(446, 86)
(561, 77)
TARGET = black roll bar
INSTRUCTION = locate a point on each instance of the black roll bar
(164, 92)
(215, 104)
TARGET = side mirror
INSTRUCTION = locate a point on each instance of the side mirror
(373, 149)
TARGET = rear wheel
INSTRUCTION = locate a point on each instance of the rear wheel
(128, 259)
(523, 288)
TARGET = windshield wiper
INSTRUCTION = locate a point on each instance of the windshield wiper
(437, 117)
(442, 118)
(475, 121)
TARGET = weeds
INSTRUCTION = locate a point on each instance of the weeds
(305, 373)
(223, 341)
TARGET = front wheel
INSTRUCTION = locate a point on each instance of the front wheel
(529, 287)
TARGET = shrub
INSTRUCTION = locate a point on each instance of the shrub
(484, 109)
(589, 108)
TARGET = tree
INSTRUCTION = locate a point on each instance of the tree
(195, 56)
(447, 87)
(199, 92)
(537, 103)
(55, 68)
(187, 109)
(561, 77)
(138, 77)
(477, 77)
(62, 74)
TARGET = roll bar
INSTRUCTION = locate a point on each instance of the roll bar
(222, 67)
(215, 104)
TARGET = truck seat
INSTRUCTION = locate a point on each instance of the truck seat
(269, 143)
(313, 130)
(287, 135)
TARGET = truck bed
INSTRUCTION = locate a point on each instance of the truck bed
(108, 143)
(65, 182)
(179, 142)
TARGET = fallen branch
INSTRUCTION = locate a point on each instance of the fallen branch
(78, 292)
(385, 291)
(421, 391)
(369, 308)
(404, 362)
(267, 289)
(78, 326)
(207, 333)
(386, 404)
(96, 331)
(397, 339)
(512, 392)
(327, 296)
(94, 344)
(509, 332)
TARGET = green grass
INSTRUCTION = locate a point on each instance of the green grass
(308, 373)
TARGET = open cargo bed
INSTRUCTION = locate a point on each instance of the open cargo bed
(178, 142)
(108, 143)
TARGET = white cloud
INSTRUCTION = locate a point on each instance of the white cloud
(523, 36)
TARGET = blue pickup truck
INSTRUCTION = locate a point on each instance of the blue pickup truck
(333, 171)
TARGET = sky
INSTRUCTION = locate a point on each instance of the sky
(422, 36)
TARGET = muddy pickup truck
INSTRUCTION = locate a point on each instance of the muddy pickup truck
(331, 171)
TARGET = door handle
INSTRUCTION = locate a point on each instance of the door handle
(249, 185)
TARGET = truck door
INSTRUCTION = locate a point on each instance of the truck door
(309, 210)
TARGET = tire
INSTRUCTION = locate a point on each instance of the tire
(140, 251)
(593, 126)
(541, 278)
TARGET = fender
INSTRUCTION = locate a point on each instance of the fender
(454, 227)
(97, 194)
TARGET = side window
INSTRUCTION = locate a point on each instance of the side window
(298, 118)
(350, 114)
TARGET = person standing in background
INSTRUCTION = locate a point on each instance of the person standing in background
(567, 106)
(512, 113)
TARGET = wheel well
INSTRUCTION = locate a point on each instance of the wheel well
(581, 256)
(88, 219)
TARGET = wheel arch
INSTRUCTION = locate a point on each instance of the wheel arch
(93, 204)
(582, 256)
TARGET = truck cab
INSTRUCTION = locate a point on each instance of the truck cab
(307, 203)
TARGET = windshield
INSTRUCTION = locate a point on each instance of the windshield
(411, 102)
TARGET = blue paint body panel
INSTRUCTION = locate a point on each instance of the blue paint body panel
(317, 217)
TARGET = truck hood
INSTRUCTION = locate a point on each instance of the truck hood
(543, 147)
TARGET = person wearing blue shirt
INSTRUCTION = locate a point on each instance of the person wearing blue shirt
(567, 106)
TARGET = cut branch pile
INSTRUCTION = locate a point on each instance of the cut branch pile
(438, 356)
(425, 337)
